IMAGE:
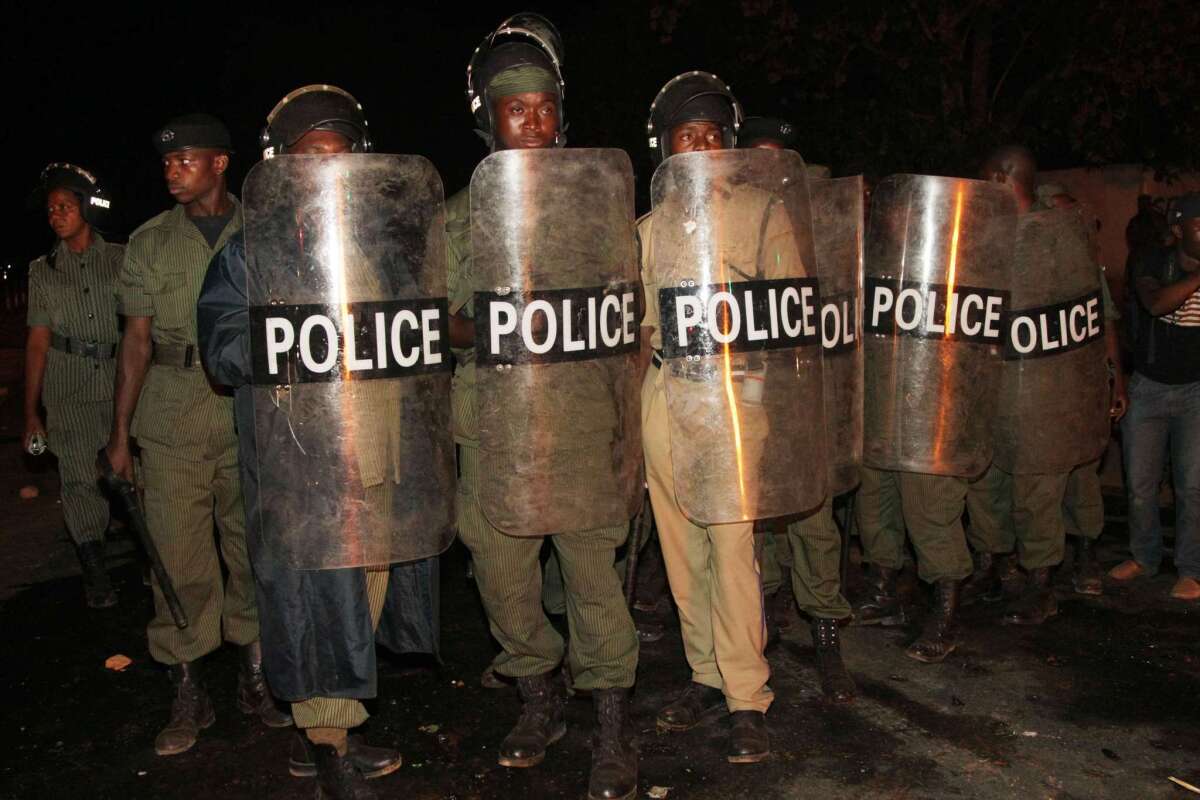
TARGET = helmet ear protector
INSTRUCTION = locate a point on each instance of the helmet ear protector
(319, 106)
(670, 108)
(538, 43)
(95, 206)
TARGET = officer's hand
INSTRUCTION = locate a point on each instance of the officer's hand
(1120, 399)
(33, 427)
(121, 460)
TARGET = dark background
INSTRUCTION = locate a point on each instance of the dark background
(873, 86)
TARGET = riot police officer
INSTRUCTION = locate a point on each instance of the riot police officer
(185, 430)
(516, 98)
(69, 353)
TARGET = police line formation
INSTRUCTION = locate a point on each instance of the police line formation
(523, 360)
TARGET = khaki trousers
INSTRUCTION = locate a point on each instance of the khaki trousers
(714, 576)
(183, 499)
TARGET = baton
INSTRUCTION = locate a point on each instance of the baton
(641, 530)
(128, 494)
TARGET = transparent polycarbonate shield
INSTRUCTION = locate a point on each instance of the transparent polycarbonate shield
(557, 310)
(730, 249)
(1054, 399)
(938, 260)
(837, 215)
(346, 262)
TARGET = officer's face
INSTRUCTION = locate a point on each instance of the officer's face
(1188, 234)
(693, 137)
(63, 214)
(526, 121)
(320, 143)
(193, 173)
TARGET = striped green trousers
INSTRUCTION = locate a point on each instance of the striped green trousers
(183, 499)
(344, 712)
(508, 573)
(75, 432)
(929, 506)
(812, 553)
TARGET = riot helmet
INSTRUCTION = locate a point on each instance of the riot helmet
(692, 97)
(95, 206)
(756, 130)
(522, 40)
(317, 107)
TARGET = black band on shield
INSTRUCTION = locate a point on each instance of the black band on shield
(556, 325)
(358, 341)
(739, 317)
(933, 311)
(839, 318)
(1054, 329)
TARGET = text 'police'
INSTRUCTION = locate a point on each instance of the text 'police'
(358, 341)
(555, 325)
(904, 308)
(1054, 329)
(739, 317)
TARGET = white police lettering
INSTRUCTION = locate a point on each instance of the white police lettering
(751, 315)
(298, 344)
(837, 324)
(934, 311)
(555, 325)
(1053, 329)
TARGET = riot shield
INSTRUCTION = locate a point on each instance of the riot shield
(1054, 394)
(837, 218)
(350, 351)
(556, 340)
(938, 268)
(739, 304)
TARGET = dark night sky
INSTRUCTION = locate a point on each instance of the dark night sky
(92, 84)
(97, 85)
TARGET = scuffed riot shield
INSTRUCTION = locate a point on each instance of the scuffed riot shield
(346, 283)
(556, 340)
(837, 218)
(1054, 398)
(732, 254)
(938, 268)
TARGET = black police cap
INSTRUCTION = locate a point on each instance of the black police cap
(756, 129)
(193, 131)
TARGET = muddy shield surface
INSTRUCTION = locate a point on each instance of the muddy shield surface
(732, 248)
(938, 268)
(346, 261)
(557, 314)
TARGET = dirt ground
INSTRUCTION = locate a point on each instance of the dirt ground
(1101, 702)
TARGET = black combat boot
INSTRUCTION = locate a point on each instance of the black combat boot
(1037, 603)
(253, 696)
(749, 741)
(338, 778)
(939, 636)
(698, 703)
(836, 682)
(883, 606)
(372, 762)
(614, 748)
(542, 723)
(983, 583)
(98, 590)
(1088, 577)
(191, 712)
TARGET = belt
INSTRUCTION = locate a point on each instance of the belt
(96, 350)
(176, 355)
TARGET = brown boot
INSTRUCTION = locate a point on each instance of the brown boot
(884, 606)
(749, 741)
(1037, 603)
(253, 696)
(191, 712)
(542, 722)
(939, 636)
(614, 748)
(836, 682)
